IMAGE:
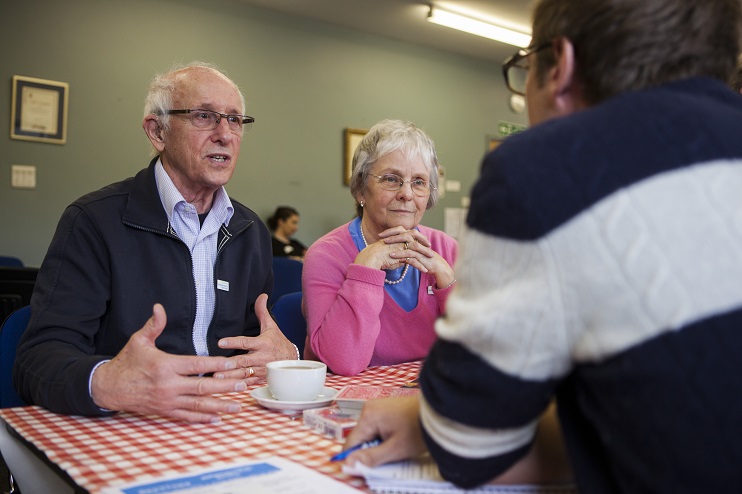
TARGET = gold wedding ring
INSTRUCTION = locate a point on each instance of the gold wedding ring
(250, 371)
(406, 246)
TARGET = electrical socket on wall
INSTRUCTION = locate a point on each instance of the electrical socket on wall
(23, 176)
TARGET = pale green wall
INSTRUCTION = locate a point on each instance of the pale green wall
(305, 82)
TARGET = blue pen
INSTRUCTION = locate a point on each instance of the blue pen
(344, 454)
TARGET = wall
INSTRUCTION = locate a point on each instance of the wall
(304, 81)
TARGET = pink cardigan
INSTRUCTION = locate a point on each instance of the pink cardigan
(351, 321)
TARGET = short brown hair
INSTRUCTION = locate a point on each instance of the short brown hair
(627, 45)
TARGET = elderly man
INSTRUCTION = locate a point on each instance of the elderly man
(601, 264)
(166, 251)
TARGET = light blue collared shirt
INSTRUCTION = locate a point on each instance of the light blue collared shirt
(202, 243)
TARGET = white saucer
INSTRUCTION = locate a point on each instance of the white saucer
(265, 398)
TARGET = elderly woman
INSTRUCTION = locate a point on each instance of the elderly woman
(374, 287)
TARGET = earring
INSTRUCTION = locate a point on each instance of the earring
(361, 203)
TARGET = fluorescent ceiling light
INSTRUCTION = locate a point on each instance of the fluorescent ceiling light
(480, 28)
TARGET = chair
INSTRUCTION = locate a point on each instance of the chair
(10, 335)
(16, 286)
(11, 261)
(288, 315)
(10, 302)
(18, 273)
(286, 277)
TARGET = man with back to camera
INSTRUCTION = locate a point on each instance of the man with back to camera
(601, 265)
(167, 248)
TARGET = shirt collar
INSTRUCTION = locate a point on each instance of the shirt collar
(170, 196)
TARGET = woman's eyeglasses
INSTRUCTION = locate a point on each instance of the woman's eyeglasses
(420, 187)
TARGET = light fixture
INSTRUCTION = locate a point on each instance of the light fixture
(480, 28)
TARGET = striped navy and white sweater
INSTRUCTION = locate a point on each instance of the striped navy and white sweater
(602, 264)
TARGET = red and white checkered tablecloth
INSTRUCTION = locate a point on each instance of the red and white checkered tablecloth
(106, 452)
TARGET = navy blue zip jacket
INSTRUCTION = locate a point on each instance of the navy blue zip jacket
(112, 258)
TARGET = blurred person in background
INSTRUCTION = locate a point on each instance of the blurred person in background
(284, 223)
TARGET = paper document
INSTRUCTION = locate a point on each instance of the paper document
(266, 476)
(422, 477)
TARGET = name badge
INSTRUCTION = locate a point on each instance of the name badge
(430, 290)
(222, 285)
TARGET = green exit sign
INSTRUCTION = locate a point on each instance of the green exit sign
(508, 128)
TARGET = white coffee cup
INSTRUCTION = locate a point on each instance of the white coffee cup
(296, 380)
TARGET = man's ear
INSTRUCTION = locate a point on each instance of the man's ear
(563, 81)
(153, 129)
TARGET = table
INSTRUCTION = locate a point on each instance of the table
(103, 452)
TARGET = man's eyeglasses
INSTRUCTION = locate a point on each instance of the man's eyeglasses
(420, 187)
(515, 69)
(209, 120)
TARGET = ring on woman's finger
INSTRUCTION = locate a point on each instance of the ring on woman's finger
(250, 371)
(406, 246)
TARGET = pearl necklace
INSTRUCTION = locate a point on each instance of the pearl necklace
(388, 282)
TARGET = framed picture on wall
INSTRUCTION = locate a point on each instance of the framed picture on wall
(39, 110)
(352, 138)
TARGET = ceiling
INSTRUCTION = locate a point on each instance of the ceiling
(405, 20)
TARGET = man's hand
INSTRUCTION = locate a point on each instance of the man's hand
(395, 421)
(270, 345)
(144, 379)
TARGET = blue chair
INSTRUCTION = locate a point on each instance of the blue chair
(10, 335)
(11, 261)
(289, 317)
(286, 277)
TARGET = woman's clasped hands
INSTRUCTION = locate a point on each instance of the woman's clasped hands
(398, 246)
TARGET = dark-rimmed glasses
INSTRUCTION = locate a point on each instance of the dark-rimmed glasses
(515, 69)
(420, 187)
(209, 120)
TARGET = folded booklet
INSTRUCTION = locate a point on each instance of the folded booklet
(273, 475)
(421, 476)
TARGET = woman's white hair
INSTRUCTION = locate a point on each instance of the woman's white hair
(387, 137)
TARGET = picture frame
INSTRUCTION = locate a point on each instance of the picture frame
(39, 110)
(353, 137)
